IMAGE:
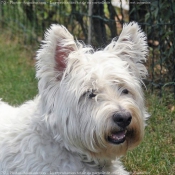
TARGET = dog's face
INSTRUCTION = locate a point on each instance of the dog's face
(93, 100)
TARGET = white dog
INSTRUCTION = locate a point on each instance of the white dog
(89, 111)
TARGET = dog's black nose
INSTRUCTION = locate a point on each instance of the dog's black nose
(122, 119)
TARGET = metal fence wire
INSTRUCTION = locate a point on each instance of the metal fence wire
(96, 23)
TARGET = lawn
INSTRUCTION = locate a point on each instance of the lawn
(154, 156)
(17, 72)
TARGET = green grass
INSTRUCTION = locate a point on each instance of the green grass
(17, 72)
(154, 156)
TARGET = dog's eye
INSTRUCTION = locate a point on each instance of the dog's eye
(92, 94)
(125, 91)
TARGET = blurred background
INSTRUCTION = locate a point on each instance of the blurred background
(22, 27)
(96, 23)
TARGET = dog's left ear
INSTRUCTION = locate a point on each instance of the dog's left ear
(131, 46)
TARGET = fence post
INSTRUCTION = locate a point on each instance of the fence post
(90, 6)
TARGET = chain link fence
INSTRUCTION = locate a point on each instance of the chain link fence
(96, 23)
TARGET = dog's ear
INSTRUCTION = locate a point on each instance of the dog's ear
(131, 46)
(52, 58)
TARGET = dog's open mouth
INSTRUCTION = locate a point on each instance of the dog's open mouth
(117, 137)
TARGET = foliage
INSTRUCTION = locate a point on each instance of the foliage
(157, 18)
(29, 19)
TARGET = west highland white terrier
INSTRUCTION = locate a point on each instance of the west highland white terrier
(90, 108)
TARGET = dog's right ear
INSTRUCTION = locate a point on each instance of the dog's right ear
(52, 60)
(53, 55)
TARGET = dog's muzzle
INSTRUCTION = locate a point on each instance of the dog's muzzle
(122, 120)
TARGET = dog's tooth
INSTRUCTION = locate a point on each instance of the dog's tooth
(113, 137)
(116, 137)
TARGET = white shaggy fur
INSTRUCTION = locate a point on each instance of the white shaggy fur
(66, 128)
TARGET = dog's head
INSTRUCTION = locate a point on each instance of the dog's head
(93, 101)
